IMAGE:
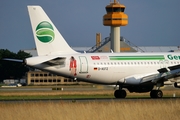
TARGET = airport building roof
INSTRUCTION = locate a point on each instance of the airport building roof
(125, 46)
(159, 48)
(33, 52)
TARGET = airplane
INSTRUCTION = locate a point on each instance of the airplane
(136, 72)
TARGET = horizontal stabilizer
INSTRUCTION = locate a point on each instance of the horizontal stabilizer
(56, 61)
(13, 60)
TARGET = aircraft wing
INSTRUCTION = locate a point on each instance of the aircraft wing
(163, 75)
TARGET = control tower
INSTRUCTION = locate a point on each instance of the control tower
(115, 18)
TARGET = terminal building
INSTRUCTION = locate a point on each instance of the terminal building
(45, 78)
(38, 77)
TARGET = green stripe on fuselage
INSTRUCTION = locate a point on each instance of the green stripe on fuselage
(154, 57)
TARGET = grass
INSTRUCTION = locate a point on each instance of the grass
(6, 98)
(26, 95)
(112, 110)
(135, 109)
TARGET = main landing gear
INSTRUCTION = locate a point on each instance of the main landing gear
(153, 94)
(156, 94)
(120, 93)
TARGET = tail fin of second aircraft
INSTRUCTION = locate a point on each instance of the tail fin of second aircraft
(47, 38)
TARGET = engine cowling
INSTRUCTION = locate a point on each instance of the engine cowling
(140, 88)
(177, 85)
(133, 80)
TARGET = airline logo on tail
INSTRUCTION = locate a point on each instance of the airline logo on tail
(45, 32)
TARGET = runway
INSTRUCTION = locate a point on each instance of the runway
(90, 100)
(49, 88)
(76, 94)
(65, 88)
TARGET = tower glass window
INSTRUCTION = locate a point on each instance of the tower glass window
(108, 10)
(116, 9)
(122, 9)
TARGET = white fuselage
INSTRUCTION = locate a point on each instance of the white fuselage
(107, 68)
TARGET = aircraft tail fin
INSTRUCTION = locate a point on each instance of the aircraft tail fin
(48, 39)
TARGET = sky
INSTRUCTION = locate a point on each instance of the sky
(151, 22)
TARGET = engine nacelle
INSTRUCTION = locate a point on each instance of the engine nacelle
(177, 85)
(133, 80)
(140, 88)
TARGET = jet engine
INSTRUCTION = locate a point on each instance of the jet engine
(177, 85)
(140, 88)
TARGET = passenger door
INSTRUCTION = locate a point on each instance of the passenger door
(83, 64)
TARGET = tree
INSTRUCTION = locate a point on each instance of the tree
(10, 69)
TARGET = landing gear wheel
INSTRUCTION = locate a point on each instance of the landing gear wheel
(156, 94)
(123, 93)
(120, 94)
(152, 94)
(117, 94)
(159, 94)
